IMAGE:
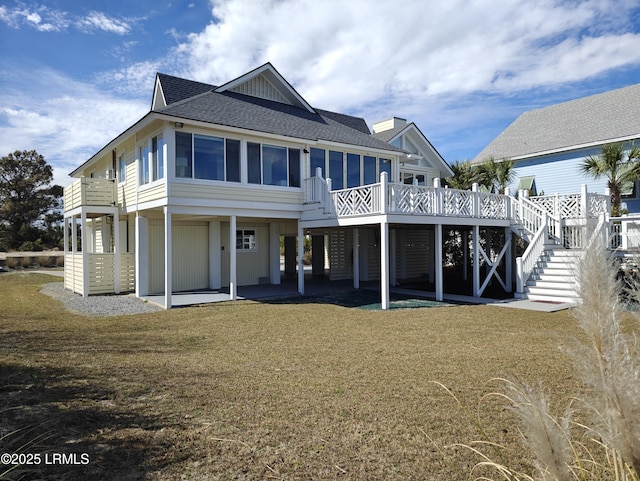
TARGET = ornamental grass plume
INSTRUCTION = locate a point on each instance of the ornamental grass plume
(548, 437)
(611, 364)
(605, 444)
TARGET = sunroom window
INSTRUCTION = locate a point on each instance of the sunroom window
(207, 157)
(273, 165)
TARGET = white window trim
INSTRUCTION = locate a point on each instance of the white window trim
(243, 229)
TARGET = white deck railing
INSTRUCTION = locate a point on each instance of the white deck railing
(393, 198)
(87, 191)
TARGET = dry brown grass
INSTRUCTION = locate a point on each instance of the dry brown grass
(251, 390)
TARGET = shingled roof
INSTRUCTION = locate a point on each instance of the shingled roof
(598, 119)
(200, 102)
(176, 89)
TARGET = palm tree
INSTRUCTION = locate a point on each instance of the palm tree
(617, 164)
(496, 175)
(463, 175)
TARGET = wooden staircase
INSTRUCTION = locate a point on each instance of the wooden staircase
(554, 276)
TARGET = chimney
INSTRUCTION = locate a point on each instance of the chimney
(392, 123)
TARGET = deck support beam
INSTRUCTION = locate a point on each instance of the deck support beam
(356, 258)
(384, 264)
(476, 260)
(168, 262)
(438, 262)
(142, 256)
(85, 253)
(508, 274)
(300, 259)
(233, 283)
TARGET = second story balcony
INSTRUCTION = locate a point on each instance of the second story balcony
(90, 192)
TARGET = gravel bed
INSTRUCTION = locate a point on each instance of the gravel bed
(111, 305)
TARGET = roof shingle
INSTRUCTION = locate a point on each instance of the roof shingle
(601, 118)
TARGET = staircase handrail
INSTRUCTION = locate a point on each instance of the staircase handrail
(526, 263)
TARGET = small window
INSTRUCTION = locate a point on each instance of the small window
(157, 156)
(353, 170)
(122, 168)
(246, 240)
(183, 154)
(144, 164)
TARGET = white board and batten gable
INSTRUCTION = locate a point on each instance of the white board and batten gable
(265, 82)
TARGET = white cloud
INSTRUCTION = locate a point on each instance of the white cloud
(41, 18)
(100, 21)
(64, 120)
(343, 55)
(45, 19)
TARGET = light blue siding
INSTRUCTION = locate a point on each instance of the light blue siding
(559, 173)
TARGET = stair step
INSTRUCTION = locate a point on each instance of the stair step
(558, 286)
(545, 275)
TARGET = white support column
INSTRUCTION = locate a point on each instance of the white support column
(508, 259)
(393, 257)
(233, 283)
(142, 256)
(300, 259)
(85, 254)
(74, 235)
(116, 252)
(384, 265)
(356, 258)
(215, 248)
(465, 254)
(438, 261)
(274, 253)
(476, 260)
(168, 262)
(65, 233)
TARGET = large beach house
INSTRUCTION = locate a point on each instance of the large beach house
(207, 189)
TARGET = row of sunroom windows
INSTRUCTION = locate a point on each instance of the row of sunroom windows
(208, 157)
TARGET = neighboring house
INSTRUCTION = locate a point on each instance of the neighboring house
(202, 190)
(550, 143)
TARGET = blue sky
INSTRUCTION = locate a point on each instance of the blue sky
(74, 74)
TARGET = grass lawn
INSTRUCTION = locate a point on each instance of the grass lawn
(254, 391)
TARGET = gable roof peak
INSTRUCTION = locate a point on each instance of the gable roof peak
(267, 83)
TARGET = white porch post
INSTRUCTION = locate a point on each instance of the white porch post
(476, 260)
(438, 262)
(168, 262)
(465, 253)
(384, 264)
(233, 287)
(508, 259)
(116, 252)
(65, 232)
(356, 258)
(215, 246)
(142, 256)
(300, 259)
(274, 253)
(85, 253)
(393, 275)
